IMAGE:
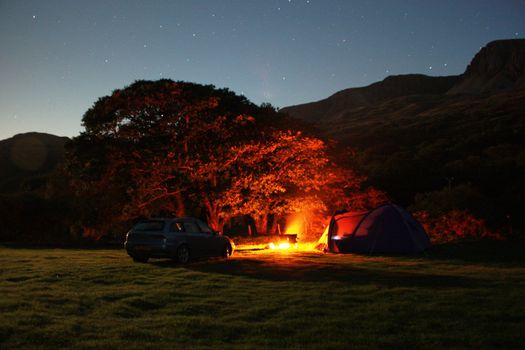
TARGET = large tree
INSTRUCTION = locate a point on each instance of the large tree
(291, 173)
(137, 152)
(177, 148)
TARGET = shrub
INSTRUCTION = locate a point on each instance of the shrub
(455, 225)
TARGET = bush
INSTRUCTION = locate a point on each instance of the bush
(455, 225)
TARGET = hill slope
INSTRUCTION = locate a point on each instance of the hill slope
(347, 100)
(26, 159)
(433, 137)
(497, 67)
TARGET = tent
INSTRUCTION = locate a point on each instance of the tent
(385, 229)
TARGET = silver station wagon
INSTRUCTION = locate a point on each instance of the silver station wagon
(178, 238)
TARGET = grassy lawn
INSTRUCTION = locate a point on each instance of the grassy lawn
(452, 297)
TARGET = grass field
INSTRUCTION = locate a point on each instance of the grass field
(449, 298)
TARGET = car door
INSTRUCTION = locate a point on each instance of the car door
(176, 236)
(214, 244)
(196, 239)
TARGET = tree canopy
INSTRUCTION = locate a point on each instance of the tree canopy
(177, 148)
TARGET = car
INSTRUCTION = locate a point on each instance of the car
(181, 239)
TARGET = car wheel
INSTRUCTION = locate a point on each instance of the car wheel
(227, 252)
(183, 254)
(140, 259)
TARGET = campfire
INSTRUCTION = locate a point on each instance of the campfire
(288, 241)
(293, 240)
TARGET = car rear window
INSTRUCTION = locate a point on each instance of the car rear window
(150, 225)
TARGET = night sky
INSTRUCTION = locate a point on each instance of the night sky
(58, 57)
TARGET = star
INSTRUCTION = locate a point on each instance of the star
(34, 17)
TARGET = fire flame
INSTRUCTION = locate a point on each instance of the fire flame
(281, 246)
(295, 226)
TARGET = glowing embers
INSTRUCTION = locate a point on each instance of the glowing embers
(287, 242)
(279, 246)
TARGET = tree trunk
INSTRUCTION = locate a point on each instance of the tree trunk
(272, 225)
(181, 207)
(212, 215)
(261, 224)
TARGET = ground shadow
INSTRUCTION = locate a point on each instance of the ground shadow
(510, 251)
(317, 268)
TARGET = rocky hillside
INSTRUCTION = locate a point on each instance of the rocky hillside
(499, 66)
(449, 142)
(342, 102)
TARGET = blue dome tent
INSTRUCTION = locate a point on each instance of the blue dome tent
(385, 229)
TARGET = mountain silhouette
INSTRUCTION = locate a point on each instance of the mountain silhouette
(420, 137)
(357, 98)
(498, 67)
(26, 159)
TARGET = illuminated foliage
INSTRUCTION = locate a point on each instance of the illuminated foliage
(455, 225)
(137, 153)
(176, 148)
(288, 173)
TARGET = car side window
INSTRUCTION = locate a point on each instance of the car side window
(191, 227)
(149, 225)
(176, 227)
(204, 228)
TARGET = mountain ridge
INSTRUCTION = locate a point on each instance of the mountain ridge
(499, 66)
(27, 158)
(456, 146)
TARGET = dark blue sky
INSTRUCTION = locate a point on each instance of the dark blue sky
(58, 57)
